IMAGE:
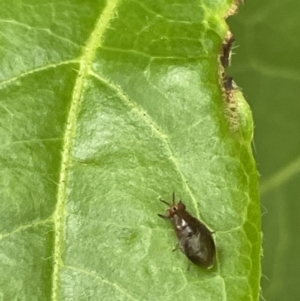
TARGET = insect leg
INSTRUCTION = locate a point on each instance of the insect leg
(162, 216)
(177, 247)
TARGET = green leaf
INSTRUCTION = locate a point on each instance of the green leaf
(267, 66)
(104, 108)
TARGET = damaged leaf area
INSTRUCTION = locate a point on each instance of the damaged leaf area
(105, 107)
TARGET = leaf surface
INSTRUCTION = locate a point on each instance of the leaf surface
(104, 108)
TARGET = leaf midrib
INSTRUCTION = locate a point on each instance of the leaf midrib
(86, 59)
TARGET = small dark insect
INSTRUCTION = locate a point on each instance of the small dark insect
(228, 83)
(226, 49)
(194, 238)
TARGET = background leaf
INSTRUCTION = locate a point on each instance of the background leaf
(105, 107)
(267, 66)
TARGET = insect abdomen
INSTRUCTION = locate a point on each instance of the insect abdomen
(195, 239)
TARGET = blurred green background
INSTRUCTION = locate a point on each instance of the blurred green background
(266, 64)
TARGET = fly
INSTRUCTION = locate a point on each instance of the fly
(194, 239)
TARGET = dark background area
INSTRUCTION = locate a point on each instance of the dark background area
(266, 65)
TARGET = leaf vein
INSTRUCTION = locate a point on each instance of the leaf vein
(153, 125)
(86, 59)
(3, 84)
(98, 277)
(24, 227)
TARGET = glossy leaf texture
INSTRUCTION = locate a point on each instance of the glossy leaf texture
(104, 108)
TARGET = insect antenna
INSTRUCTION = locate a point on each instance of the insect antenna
(163, 201)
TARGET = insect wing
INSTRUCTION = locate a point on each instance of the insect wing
(199, 247)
